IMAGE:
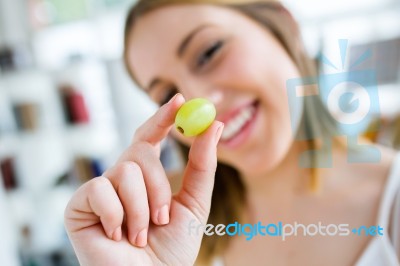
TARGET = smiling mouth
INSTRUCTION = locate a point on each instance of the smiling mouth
(237, 123)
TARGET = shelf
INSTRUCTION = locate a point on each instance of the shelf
(99, 36)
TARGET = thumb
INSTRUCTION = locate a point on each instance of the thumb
(199, 175)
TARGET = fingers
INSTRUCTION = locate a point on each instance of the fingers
(95, 200)
(137, 185)
(127, 180)
(157, 127)
(155, 178)
(123, 192)
(199, 174)
(139, 179)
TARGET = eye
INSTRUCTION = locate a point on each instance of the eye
(209, 53)
(168, 94)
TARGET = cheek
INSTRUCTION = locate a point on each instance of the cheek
(253, 68)
(243, 67)
(267, 70)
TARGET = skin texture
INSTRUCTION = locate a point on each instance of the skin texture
(250, 66)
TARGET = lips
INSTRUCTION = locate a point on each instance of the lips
(237, 120)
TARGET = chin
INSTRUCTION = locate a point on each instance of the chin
(268, 153)
(261, 159)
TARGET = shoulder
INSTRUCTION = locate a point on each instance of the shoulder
(364, 183)
(375, 173)
(380, 170)
(373, 185)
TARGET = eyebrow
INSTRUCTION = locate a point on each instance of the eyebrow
(180, 51)
(185, 43)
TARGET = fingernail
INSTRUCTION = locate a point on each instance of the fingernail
(219, 132)
(141, 239)
(173, 98)
(116, 236)
(163, 215)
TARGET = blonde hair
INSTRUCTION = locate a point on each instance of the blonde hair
(229, 192)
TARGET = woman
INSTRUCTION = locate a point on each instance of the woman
(239, 55)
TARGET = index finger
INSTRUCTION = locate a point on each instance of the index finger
(158, 126)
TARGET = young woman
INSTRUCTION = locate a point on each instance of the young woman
(250, 166)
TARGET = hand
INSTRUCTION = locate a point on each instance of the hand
(128, 216)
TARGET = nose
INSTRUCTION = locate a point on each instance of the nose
(201, 89)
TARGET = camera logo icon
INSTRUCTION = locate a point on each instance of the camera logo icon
(351, 98)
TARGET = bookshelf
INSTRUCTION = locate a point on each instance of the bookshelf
(47, 160)
(67, 110)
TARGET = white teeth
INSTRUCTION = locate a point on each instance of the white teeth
(236, 123)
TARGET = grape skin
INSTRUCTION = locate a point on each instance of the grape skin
(194, 117)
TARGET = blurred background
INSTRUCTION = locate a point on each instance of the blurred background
(68, 107)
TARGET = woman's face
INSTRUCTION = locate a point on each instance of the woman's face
(222, 55)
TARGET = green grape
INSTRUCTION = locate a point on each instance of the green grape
(194, 117)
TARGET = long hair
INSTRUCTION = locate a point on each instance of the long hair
(229, 194)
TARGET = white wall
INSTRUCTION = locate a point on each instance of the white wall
(8, 240)
(14, 28)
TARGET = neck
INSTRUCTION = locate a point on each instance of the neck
(281, 184)
(285, 178)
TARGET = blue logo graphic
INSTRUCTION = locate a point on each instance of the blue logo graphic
(347, 102)
(351, 98)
